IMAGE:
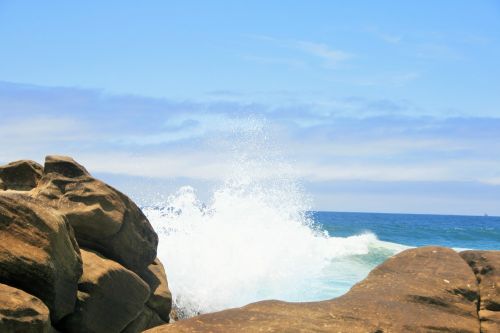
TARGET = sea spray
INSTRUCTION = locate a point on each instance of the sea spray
(253, 239)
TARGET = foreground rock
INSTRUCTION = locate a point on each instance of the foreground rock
(22, 312)
(104, 219)
(106, 290)
(429, 289)
(486, 266)
(38, 253)
(46, 213)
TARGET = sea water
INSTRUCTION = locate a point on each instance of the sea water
(256, 237)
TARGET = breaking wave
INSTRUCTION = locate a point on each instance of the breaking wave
(254, 239)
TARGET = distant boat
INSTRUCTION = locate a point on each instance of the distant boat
(486, 215)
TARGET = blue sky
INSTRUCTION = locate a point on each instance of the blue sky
(381, 106)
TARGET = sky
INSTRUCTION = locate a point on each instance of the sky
(385, 106)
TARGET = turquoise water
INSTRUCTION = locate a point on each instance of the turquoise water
(471, 232)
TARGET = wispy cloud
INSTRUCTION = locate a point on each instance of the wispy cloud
(351, 140)
(386, 37)
(384, 79)
(345, 139)
(332, 58)
(329, 57)
(437, 51)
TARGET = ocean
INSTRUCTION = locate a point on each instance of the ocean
(460, 232)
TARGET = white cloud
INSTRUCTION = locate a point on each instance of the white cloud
(40, 128)
(329, 141)
(332, 58)
(491, 181)
(390, 38)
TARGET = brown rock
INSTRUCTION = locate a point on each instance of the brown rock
(22, 312)
(38, 252)
(109, 297)
(103, 218)
(147, 319)
(486, 266)
(429, 289)
(65, 166)
(160, 300)
(20, 175)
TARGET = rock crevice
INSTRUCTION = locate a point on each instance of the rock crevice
(486, 267)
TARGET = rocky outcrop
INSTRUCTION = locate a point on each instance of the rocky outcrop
(38, 252)
(486, 266)
(429, 289)
(104, 219)
(46, 214)
(106, 290)
(21, 175)
(22, 312)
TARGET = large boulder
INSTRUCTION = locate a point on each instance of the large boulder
(429, 289)
(45, 214)
(20, 175)
(22, 312)
(109, 297)
(104, 219)
(486, 266)
(38, 252)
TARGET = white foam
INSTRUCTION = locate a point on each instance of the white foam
(252, 240)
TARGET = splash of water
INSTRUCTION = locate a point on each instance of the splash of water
(254, 239)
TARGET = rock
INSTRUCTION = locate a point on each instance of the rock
(109, 297)
(104, 219)
(64, 166)
(429, 289)
(44, 212)
(20, 175)
(38, 252)
(147, 319)
(160, 300)
(486, 266)
(22, 312)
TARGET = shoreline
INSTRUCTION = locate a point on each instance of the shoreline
(78, 255)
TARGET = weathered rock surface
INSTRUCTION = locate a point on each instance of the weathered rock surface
(38, 252)
(22, 312)
(158, 306)
(45, 214)
(429, 289)
(109, 297)
(160, 300)
(486, 266)
(20, 175)
(104, 219)
(147, 318)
